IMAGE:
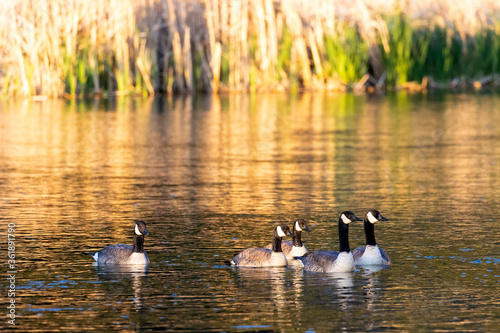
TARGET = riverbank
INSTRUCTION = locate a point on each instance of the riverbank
(92, 49)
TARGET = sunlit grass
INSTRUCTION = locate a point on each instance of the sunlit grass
(400, 59)
(347, 55)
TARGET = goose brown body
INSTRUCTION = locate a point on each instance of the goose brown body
(260, 257)
(333, 261)
(121, 254)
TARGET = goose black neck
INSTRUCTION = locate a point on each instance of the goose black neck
(138, 243)
(277, 244)
(297, 239)
(344, 237)
(370, 233)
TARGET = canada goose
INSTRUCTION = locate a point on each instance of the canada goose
(122, 254)
(259, 257)
(333, 261)
(294, 248)
(371, 254)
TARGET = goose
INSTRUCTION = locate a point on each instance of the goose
(259, 257)
(294, 248)
(371, 254)
(122, 254)
(333, 261)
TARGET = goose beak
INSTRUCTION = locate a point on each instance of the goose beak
(356, 218)
(306, 229)
(145, 232)
(383, 218)
(289, 233)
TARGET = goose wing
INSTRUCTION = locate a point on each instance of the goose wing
(385, 257)
(286, 246)
(252, 257)
(114, 254)
(318, 261)
(358, 252)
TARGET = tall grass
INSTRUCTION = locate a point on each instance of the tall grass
(78, 48)
(346, 55)
(399, 59)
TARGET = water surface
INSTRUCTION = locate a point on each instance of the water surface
(212, 176)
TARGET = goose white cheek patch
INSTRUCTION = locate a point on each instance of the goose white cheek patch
(280, 232)
(297, 227)
(137, 232)
(371, 218)
(345, 219)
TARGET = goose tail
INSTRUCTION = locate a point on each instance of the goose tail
(299, 259)
(93, 254)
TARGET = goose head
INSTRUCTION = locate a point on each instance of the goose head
(373, 216)
(300, 225)
(140, 228)
(348, 217)
(282, 230)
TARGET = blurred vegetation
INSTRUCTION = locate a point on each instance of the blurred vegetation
(87, 48)
(346, 55)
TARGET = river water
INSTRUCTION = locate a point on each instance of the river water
(211, 176)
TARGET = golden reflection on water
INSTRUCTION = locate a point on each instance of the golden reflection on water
(211, 175)
(252, 154)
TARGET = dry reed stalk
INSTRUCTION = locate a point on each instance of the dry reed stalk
(244, 58)
(271, 32)
(269, 75)
(260, 18)
(300, 46)
(176, 46)
(188, 65)
(315, 54)
(93, 59)
(216, 18)
(234, 44)
(318, 34)
(224, 20)
(51, 46)
(145, 76)
(215, 67)
(211, 72)
(210, 13)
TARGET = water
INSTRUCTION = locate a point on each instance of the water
(213, 176)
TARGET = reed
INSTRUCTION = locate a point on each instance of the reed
(85, 48)
(346, 54)
(399, 60)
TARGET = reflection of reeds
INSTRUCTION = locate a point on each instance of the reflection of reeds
(78, 48)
